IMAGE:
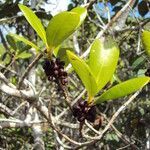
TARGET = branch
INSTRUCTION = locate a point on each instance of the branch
(90, 4)
(29, 68)
(65, 110)
(27, 95)
(5, 110)
(37, 133)
(5, 80)
(97, 138)
(122, 136)
(134, 28)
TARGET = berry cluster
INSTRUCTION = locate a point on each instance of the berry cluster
(82, 111)
(54, 70)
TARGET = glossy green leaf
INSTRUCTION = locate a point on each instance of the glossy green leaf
(61, 27)
(82, 12)
(84, 72)
(21, 38)
(34, 21)
(23, 55)
(104, 55)
(123, 89)
(146, 41)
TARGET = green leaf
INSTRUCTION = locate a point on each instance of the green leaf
(61, 27)
(23, 55)
(34, 21)
(104, 55)
(139, 61)
(2, 50)
(115, 78)
(84, 72)
(22, 47)
(21, 38)
(146, 41)
(62, 54)
(82, 12)
(123, 89)
(11, 42)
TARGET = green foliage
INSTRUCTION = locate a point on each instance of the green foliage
(111, 137)
(101, 65)
(2, 50)
(84, 72)
(60, 27)
(82, 12)
(123, 89)
(34, 21)
(21, 38)
(23, 55)
(103, 60)
(62, 53)
(11, 42)
(140, 60)
(63, 25)
(19, 46)
(98, 72)
(146, 41)
(129, 122)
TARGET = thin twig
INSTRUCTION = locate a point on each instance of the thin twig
(22, 104)
(121, 136)
(61, 142)
(117, 113)
(90, 4)
(65, 111)
(5, 110)
(29, 68)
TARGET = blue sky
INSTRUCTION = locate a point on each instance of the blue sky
(62, 5)
(101, 7)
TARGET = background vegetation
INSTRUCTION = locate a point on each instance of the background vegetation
(131, 129)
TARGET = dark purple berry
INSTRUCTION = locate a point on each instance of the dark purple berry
(50, 78)
(61, 67)
(83, 111)
(52, 63)
(86, 109)
(64, 81)
(46, 64)
(76, 110)
(46, 67)
(56, 72)
(91, 114)
(65, 74)
(55, 66)
(80, 119)
(61, 71)
(82, 103)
